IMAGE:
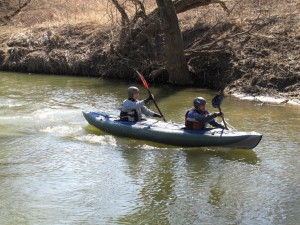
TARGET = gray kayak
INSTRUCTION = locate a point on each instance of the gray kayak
(173, 133)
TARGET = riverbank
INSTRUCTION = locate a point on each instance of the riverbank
(270, 62)
(252, 57)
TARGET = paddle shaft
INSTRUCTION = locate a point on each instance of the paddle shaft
(223, 118)
(147, 87)
(157, 106)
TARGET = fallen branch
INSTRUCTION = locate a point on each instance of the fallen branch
(193, 53)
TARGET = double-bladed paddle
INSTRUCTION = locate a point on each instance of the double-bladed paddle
(216, 102)
(147, 87)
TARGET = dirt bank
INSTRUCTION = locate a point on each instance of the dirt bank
(269, 59)
(256, 60)
(72, 50)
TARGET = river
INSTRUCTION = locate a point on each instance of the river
(57, 169)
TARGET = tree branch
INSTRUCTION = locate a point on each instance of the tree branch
(233, 36)
(140, 12)
(121, 10)
(185, 5)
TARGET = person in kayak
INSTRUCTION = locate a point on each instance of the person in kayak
(198, 117)
(132, 108)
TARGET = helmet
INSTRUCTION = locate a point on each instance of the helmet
(199, 101)
(132, 90)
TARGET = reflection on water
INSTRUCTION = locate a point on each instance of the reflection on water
(242, 155)
(57, 169)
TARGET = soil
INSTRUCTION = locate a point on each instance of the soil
(269, 60)
(263, 61)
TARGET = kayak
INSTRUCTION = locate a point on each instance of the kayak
(173, 133)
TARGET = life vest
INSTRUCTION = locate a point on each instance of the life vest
(193, 124)
(131, 116)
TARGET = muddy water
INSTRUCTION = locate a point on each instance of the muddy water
(57, 169)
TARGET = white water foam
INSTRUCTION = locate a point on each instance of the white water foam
(149, 147)
(77, 133)
(96, 139)
(11, 103)
(263, 99)
(56, 115)
(62, 130)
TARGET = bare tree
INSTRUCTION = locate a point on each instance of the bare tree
(162, 19)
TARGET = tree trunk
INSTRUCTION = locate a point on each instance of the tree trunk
(176, 64)
(135, 34)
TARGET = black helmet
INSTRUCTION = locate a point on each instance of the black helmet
(199, 101)
(132, 90)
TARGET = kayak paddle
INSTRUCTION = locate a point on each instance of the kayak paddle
(147, 87)
(216, 102)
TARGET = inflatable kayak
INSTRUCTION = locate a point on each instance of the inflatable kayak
(173, 133)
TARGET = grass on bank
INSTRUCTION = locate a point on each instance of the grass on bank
(102, 12)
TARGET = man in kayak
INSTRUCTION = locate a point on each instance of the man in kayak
(198, 117)
(132, 109)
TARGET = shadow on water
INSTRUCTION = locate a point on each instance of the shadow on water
(241, 155)
(93, 130)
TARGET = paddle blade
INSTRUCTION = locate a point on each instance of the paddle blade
(143, 80)
(217, 101)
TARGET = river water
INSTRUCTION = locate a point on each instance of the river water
(57, 169)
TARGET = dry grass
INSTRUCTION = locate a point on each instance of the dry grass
(56, 12)
(241, 10)
(102, 12)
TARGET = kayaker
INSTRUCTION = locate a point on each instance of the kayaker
(198, 117)
(132, 108)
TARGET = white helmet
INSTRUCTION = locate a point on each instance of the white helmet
(199, 101)
(132, 90)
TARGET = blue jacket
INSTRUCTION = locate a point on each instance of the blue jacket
(198, 120)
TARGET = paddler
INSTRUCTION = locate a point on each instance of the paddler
(132, 108)
(198, 117)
